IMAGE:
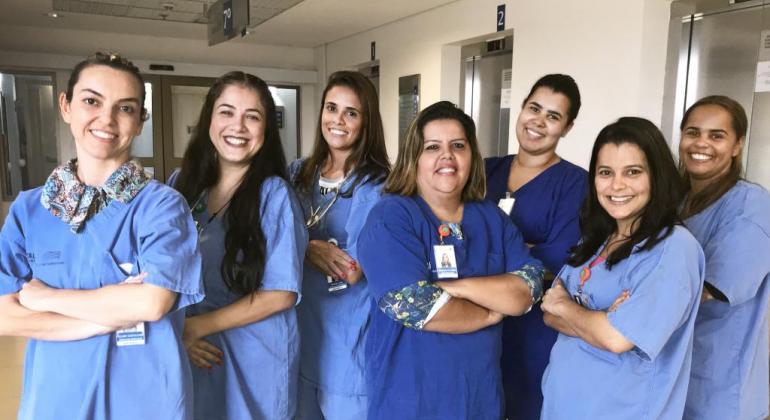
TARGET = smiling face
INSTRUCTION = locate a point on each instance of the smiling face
(708, 144)
(622, 183)
(237, 128)
(445, 162)
(104, 115)
(542, 122)
(341, 119)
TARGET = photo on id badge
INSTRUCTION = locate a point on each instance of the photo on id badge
(446, 263)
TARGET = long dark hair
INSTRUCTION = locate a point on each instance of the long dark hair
(659, 216)
(369, 157)
(698, 202)
(244, 261)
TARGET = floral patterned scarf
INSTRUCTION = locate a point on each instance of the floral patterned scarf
(75, 202)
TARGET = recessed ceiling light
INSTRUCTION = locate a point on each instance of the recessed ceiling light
(52, 15)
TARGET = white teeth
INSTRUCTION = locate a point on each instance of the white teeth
(338, 132)
(620, 199)
(534, 133)
(699, 156)
(103, 134)
(447, 171)
(235, 141)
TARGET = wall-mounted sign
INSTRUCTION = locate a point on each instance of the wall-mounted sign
(500, 16)
(408, 103)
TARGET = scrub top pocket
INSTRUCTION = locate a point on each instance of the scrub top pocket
(604, 355)
(115, 271)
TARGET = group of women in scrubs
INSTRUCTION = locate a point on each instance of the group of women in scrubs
(417, 290)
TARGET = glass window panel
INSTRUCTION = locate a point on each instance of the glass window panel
(286, 106)
(142, 145)
(186, 104)
(27, 128)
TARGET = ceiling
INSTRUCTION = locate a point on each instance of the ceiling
(298, 23)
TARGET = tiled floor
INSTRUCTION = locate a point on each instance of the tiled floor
(11, 362)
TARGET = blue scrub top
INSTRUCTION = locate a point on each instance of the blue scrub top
(93, 378)
(333, 325)
(730, 357)
(546, 210)
(259, 373)
(415, 374)
(649, 381)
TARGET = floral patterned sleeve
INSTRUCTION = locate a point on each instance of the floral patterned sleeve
(411, 305)
(533, 276)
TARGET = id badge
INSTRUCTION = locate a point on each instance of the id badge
(133, 336)
(446, 263)
(335, 285)
(506, 204)
(581, 299)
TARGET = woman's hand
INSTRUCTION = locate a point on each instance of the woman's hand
(332, 261)
(620, 299)
(35, 294)
(201, 353)
(555, 299)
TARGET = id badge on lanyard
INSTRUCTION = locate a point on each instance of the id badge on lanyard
(335, 285)
(444, 255)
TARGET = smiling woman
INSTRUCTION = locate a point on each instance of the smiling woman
(542, 193)
(635, 267)
(337, 186)
(730, 217)
(95, 265)
(443, 267)
(243, 339)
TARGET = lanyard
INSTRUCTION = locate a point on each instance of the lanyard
(585, 272)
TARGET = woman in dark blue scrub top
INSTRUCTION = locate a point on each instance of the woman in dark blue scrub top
(542, 194)
(443, 267)
(625, 303)
(96, 265)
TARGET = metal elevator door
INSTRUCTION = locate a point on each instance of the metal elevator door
(485, 92)
(721, 52)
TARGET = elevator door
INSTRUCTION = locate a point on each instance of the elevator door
(485, 94)
(719, 55)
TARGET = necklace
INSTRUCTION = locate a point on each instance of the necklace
(199, 207)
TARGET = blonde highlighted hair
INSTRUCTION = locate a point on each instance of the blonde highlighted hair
(403, 179)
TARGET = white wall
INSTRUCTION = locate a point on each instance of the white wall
(615, 49)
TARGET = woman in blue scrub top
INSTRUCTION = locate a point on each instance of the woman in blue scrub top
(337, 186)
(95, 265)
(625, 303)
(731, 219)
(443, 266)
(542, 194)
(243, 337)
